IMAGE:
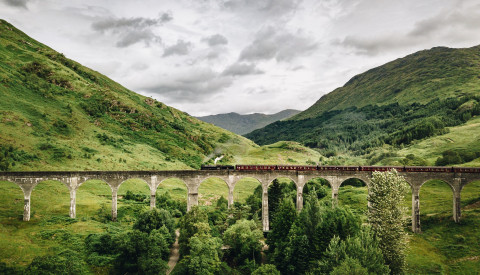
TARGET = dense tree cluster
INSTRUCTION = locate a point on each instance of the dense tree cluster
(358, 130)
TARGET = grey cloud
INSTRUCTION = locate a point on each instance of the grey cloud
(268, 7)
(195, 86)
(459, 23)
(239, 69)
(132, 30)
(216, 39)
(181, 48)
(17, 3)
(270, 43)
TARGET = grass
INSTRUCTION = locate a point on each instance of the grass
(443, 247)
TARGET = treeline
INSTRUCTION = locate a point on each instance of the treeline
(359, 130)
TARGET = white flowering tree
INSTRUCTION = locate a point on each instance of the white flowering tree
(385, 215)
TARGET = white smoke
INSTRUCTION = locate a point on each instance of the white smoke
(217, 159)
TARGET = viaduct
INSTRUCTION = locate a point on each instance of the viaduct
(193, 178)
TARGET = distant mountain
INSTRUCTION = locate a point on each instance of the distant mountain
(392, 106)
(244, 124)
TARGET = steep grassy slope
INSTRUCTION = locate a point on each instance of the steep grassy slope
(56, 114)
(244, 124)
(434, 92)
(417, 78)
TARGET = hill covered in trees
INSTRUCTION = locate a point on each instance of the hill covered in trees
(391, 107)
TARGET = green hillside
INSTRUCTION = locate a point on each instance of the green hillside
(365, 122)
(437, 73)
(56, 114)
(244, 124)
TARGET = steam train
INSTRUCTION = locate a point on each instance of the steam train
(240, 167)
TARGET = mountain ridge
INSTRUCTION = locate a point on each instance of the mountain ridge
(244, 124)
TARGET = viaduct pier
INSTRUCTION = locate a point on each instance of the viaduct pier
(193, 179)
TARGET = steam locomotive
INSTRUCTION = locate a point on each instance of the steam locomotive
(240, 167)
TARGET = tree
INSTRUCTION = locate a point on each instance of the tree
(205, 251)
(385, 215)
(281, 224)
(350, 266)
(188, 228)
(155, 219)
(266, 269)
(243, 238)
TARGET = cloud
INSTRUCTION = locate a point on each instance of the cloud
(267, 7)
(456, 24)
(215, 40)
(239, 69)
(181, 48)
(16, 3)
(133, 30)
(271, 43)
(189, 85)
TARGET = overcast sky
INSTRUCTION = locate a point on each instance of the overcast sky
(217, 56)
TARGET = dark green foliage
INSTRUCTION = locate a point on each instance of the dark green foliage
(243, 239)
(311, 234)
(10, 270)
(352, 267)
(456, 157)
(62, 127)
(266, 269)
(205, 255)
(222, 203)
(177, 208)
(188, 228)
(281, 224)
(276, 192)
(66, 262)
(358, 130)
(319, 186)
(255, 201)
(156, 219)
(9, 156)
(140, 252)
(412, 160)
(363, 248)
(135, 197)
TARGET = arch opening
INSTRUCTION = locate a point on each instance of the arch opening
(436, 199)
(352, 194)
(171, 195)
(133, 198)
(320, 186)
(94, 199)
(11, 201)
(279, 189)
(470, 201)
(211, 190)
(248, 192)
(57, 204)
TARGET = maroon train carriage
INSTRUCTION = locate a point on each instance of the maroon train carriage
(297, 167)
(428, 169)
(255, 167)
(382, 168)
(466, 169)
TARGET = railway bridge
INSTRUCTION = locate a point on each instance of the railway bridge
(193, 178)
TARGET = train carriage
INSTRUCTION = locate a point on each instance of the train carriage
(382, 168)
(297, 167)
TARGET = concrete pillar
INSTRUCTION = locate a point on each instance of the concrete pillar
(299, 198)
(456, 206)
(153, 192)
(73, 193)
(192, 200)
(265, 221)
(335, 188)
(114, 203)
(416, 211)
(26, 205)
(230, 196)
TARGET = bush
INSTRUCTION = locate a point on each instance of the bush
(156, 219)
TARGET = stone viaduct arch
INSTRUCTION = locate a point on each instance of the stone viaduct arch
(193, 178)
